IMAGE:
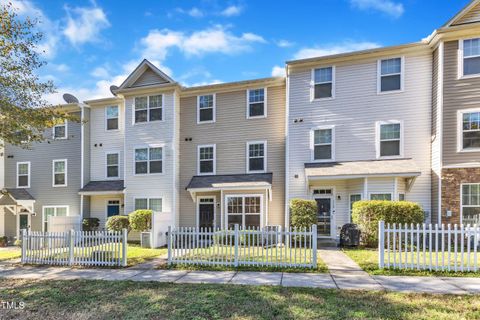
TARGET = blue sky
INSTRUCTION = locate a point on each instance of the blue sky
(92, 44)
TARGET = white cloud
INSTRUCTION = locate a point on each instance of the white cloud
(284, 43)
(231, 11)
(85, 24)
(327, 50)
(278, 71)
(389, 7)
(195, 12)
(100, 72)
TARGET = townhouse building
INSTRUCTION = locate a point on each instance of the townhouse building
(395, 123)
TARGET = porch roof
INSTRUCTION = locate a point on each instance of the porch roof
(361, 169)
(231, 181)
(103, 187)
(19, 194)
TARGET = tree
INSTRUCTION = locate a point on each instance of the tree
(24, 113)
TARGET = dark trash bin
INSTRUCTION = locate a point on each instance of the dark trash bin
(350, 235)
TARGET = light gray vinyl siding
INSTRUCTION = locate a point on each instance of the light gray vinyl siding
(436, 138)
(147, 78)
(86, 148)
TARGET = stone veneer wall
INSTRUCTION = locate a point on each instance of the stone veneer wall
(451, 182)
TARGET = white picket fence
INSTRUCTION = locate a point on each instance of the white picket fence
(235, 247)
(81, 248)
(429, 247)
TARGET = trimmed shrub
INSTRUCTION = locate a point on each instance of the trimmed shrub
(3, 241)
(367, 214)
(303, 213)
(90, 224)
(118, 223)
(140, 220)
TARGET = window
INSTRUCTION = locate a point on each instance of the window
(206, 159)
(113, 208)
(148, 160)
(54, 211)
(471, 56)
(111, 115)
(322, 140)
(148, 109)
(112, 165)
(154, 204)
(390, 75)
(470, 203)
(354, 198)
(59, 131)
(389, 144)
(256, 156)
(322, 191)
(244, 210)
(381, 196)
(60, 173)
(401, 197)
(323, 83)
(206, 108)
(469, 133)
(23, 174)
(256, 103)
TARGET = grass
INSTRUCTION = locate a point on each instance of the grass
(9, 253)
(367, 259)
(137, 254)
(86, 299)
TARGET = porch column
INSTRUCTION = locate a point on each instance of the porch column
(221, 210)
(365, 188)
(2, 222)
(395, 189)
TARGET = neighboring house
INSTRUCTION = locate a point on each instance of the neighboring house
(232, 150)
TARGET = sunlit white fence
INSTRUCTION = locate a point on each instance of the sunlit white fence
(429, 247)
(270, 246)
(82, 248)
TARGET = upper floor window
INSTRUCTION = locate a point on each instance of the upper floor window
(112, 165)
(148, 160)
(111, 115)
(257, 160)
(23, 174)
(148, 108)
(60, 173)
(390, 75)
(206, 159)
(469, 135)
(206, 108)
(323, 144)
(60, 130)
(323, 83)
(154, 204)
(471, 57)
(389, 142)
(256, 103)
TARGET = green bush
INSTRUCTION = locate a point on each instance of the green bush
(18, 243)
(3, 241)
(303, 213)
(90, 224)
(140, 220)
(118, 223)
(367, 214)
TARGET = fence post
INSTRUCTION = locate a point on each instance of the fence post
(235, 261)
(314, 245)
(71, 235)
(124, 248)
(381, 244)
(169, 245)
(24, 245)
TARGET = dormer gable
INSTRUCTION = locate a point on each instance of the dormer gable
(144, 75)
(469, 14)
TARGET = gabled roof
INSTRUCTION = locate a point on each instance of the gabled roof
(469, 14)
(145, 74)
(20, 194)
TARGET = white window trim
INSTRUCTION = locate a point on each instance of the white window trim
(106, 119)
(148, 202)
(265, 152)
(53, 173)
(312, 143)
(107, 204)
(148, 155)
(460, 58)
(214, 109)
(214, 159)
(53, 207)
(390, 193)
(66, 131)
(377, 138)
(312, 84)
(107, 153)
(264, 103)
(243, 196)
(461, 200)
(350, 203)
(197, 217)
(460, 114)
(148, 109)
(402, 76)
(29, 174)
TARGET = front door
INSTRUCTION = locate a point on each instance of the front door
(206, 212)
(324, 219)
(113, 208)
(23, 221)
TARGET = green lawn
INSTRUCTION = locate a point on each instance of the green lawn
(137, 254)
(10, 253)
(85, 299)
(367, 259)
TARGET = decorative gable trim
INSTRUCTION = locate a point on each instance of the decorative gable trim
(143, 75)
(469, 14)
